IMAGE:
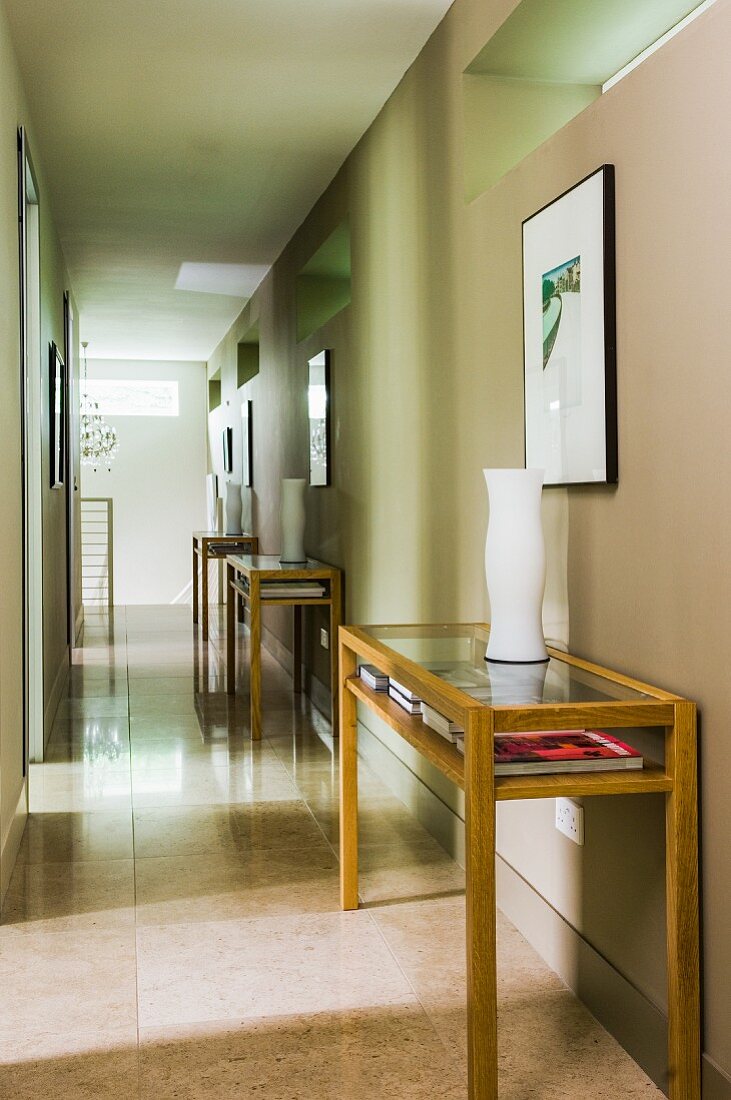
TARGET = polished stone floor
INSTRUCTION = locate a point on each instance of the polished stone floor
(172, 928)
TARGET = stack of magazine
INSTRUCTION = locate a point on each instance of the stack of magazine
(373, 677)
(436, 721)
(404, 697)
(556, 751)
(304, 590)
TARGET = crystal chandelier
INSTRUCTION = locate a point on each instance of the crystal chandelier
(99, 441)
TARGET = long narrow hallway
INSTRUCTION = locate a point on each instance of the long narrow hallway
(172, 928)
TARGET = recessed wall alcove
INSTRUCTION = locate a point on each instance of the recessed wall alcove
(214, 391)
(545, 64)
(323, 284)
(247, 356)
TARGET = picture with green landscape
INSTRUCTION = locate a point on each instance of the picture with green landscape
(561, 292)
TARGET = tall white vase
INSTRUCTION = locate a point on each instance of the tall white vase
(293, 521)
(233, 508)
(515, 566)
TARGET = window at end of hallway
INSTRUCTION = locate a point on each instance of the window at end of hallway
(133, 397)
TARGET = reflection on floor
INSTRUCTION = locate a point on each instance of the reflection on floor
(172, 928)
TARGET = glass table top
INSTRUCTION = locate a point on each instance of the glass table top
(456, 654)
(272, 563)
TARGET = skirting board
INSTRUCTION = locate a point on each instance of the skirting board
(59, 686)
(11, 840)
(318, 692)
(716, 1085)
(278, 650)
(637, 1024)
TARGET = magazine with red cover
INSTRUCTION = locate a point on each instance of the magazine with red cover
(562, 751)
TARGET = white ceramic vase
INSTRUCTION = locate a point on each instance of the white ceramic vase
(293, 521)
(515, 566)
(233, 508)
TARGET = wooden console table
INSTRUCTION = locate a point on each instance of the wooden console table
(246, 573)
(565, 693)
(213, 546)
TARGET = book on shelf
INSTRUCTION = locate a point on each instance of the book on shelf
(228, 548)
(307, 590)
(439, 722)
(403, 691)
(553, 752)
(412, 705)
(563, 751)
(373, 677)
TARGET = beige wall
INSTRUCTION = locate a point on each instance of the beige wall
(427, 379)
(157, 483)
(53, 279)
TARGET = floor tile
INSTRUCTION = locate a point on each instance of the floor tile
(162, 727)
(293, 965)
(83, 790)
(70, 897)
(99, 706)
(186, 830)
(62, 838)
(100, 1065)
(153, 754)
(388, 1053)
(235, 885)
(217, 787)
(66, 983)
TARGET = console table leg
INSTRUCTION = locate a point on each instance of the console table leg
(195, 583)
(230, 631)
(480, 898)
(204, 593)
(348, 783)
(255, 657)
(683, 944)
(336, 615)
(297, 650)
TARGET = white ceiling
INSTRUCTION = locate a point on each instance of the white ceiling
(196, 132)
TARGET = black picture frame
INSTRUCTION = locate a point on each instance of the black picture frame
(319, 370)
(569, 334)
(228, 450)
(247, 444)
(57, 409)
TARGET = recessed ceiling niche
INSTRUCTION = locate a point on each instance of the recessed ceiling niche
(545, 64)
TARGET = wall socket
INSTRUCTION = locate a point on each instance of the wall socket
(570, 819)
(324, 638)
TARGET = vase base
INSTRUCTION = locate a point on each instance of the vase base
(295, 561)
(503, 661)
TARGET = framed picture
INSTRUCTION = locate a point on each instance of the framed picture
(247, 452)
(569, 334)
(57, 409)
(318, 404)
(228, 450)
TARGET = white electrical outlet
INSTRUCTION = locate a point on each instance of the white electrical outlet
(570, 819)
(324, 638)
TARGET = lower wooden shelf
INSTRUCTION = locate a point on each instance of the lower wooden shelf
(652, 778)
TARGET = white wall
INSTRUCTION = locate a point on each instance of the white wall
(157, 483)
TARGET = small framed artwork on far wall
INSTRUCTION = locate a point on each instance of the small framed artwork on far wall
(57, 410)
(228, 450)
(318, 406)
(569, 323)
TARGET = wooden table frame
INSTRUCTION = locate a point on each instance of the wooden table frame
(677, 780)
(202, 541)
(249, 568)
